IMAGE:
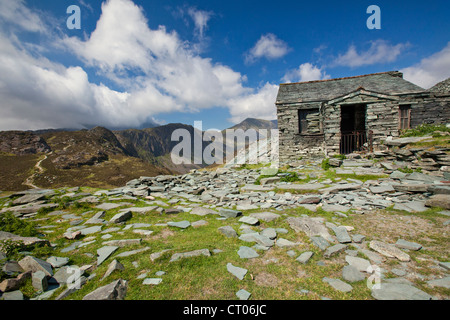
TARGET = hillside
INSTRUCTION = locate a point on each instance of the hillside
(97, 157)
(55, 159)
(252, 123)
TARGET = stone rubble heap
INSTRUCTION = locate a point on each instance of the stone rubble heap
(226, 194)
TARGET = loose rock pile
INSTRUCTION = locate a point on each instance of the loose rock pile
(226, 194)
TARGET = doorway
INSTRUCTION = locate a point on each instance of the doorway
(353, 128)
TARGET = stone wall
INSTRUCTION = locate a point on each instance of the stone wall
(382, 118)
(430, 109)
(292, 143)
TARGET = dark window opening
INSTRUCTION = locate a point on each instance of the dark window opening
(353, 128)
(404, 117)
(309, 122)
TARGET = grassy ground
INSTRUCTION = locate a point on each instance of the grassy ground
(274, 275)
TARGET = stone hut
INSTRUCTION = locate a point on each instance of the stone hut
(354, 114)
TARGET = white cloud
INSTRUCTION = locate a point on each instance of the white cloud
(305, 72)
(380, 51)
(15, 12)
(201, 19)
(269, 47)
(255, 105)
(430, 70)
(157, 71)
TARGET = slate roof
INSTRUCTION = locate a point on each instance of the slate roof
(441, 87)
(323, 90)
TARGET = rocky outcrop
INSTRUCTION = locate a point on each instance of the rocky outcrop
(22, 143)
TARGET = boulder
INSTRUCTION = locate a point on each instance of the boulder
(30, 263)
(39, 281)
(439, 200)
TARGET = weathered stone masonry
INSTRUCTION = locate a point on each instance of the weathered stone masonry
(314, 116)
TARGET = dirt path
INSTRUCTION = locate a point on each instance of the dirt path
(37, 169)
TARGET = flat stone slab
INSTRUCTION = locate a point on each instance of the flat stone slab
(341, 187)
(335, 208)
(201, 211)
(113, 291)
(270, 233)
(246, 206)
(229, 213)
(301, 187)
(90, 230)
(389, 250)
(132, 252)
(27, 241)
(311, 226)
(305, 257)
(122, 242)
(399, 291)
(254, 187)
(342, 235)
(57, 262)
(108, 206)
(190, 254)
(243, 294)
(180, 224)
(152, 281)
(284, 243)
(412, 187)
(121, 217)
(331, 251)
(249, 220)
(237, 271)
(403, 244)
(141, 210)
(359, 263)
(247, 253)
(28, 198)
(382, 189)
(265, 216)
(320, 242)
(228, 231)
(444, 282)
(104, 252)
(400, 142)
(258, 238)
(338, 284)
(268, 171)
(352, 274)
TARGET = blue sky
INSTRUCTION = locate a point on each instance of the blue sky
(183, 61)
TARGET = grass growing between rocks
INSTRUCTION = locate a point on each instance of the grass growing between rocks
(274, 275)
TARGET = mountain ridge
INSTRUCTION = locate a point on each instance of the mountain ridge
(97, 157)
